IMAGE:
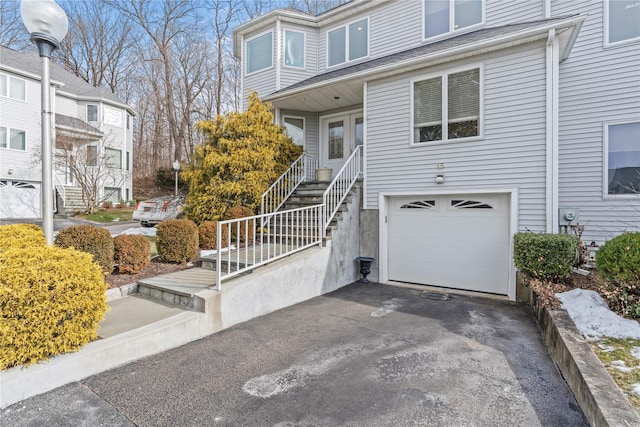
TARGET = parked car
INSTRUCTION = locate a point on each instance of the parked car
(153, 211)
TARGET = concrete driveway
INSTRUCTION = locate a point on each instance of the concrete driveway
(365, 355)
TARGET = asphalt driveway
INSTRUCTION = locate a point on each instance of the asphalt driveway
(365, 355)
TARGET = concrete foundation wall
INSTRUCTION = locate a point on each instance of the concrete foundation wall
(370, 239)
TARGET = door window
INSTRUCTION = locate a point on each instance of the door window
(336, 140)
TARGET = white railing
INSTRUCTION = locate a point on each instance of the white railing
(340, 187)
(244, 244)
(60, 187)
(301, 170)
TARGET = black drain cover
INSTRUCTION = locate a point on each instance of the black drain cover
(439, 296)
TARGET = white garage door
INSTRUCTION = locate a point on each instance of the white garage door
(459, 241)
(19, 199)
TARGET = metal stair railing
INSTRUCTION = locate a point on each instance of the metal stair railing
(279, 192)
(337, 191)
(244, 243)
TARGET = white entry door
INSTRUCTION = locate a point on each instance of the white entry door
(454, 241)
(339, 137)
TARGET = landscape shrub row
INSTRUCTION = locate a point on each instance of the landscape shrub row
(546, 257)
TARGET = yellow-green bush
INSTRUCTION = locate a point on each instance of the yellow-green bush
(132, 252)
(91, 239)
(247, 231)
(51, 302)
(177, 240)
(20, 236)
(208, 232)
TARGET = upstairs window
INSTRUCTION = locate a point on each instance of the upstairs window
(623, 158)
(445, 16)
(447, 107)
(260, 53)
(622, 20)
(92, 113)
(293, 49)
(13, 87)
(348, 43)
(114, 158)
(13, 139)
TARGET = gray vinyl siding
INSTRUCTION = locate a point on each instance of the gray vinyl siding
(291, 75)
(264, 81)
(511, 155)
(311, 134)
(395, 26)
(598, 85)
(501, 12)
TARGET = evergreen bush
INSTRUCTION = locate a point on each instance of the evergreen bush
(132, 252)
(547, 257)
(246, 230)
(52, 301)
(177, 240)
(20, 236)
(619, 258)
(91, 239)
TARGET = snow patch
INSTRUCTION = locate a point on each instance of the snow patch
(145, 231)
(388, 306)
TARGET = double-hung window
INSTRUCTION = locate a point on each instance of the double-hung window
(13, 87)
(447, 107)
(623, 158)
(13, 139)
(293, 49)
(622, 20)
(295, 129)
(445, 16)
(348, 43)
(260, 52)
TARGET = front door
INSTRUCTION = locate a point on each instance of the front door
(340, 135)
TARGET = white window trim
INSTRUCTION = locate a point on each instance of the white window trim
(108, 163)
(605, 34)
(346, 42)
(8, 147)
(452, 33)
(97, 113)
(246, 51)
(445, 105)
(605, 164)
(304, 127)
(8, 88)
(304, 50)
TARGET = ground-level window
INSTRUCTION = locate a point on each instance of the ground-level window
(622, 20)
(445, 16)
(112, 194)
(114, 157)
(623, 158)
(13, 139)
(295, 129)
(447, 107)
(259, 52)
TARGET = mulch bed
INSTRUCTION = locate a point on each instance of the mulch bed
(155, 268)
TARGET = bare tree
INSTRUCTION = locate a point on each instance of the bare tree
(12, 33)
(314, 7)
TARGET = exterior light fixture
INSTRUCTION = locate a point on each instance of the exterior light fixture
(439, 179)
(48, 24)
(176, 167)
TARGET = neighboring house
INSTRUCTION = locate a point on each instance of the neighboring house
(92, 139)
(478, 119)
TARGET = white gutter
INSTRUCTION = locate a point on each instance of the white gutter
(552, 149)
(472, 49)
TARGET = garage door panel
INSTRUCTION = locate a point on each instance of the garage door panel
(20, 199)
(449, 245)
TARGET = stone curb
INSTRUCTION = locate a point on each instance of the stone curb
(600, 399)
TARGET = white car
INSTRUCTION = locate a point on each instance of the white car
(154, 211)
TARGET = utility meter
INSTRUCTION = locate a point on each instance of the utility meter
(568, 216)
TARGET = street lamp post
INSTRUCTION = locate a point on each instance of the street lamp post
(47, 23)
(176, 167)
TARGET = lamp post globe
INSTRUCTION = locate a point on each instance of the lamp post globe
(48, 25)
(176, 167)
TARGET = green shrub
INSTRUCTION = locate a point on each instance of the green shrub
(20, 236)
(132, 252)
(177, 240)
(208, 232)
(545, 256)
(52, 302)
(91, 239)
(619, 258)
(246, 233)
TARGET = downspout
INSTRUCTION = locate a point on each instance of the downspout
(365, 203)
(552, 150)
(242, 60)
(547, 9)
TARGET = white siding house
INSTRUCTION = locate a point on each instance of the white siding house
(479, 119)
(92, 123)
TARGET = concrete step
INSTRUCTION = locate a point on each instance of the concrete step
(179, 288)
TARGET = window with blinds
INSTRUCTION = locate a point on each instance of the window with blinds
(447, 107)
